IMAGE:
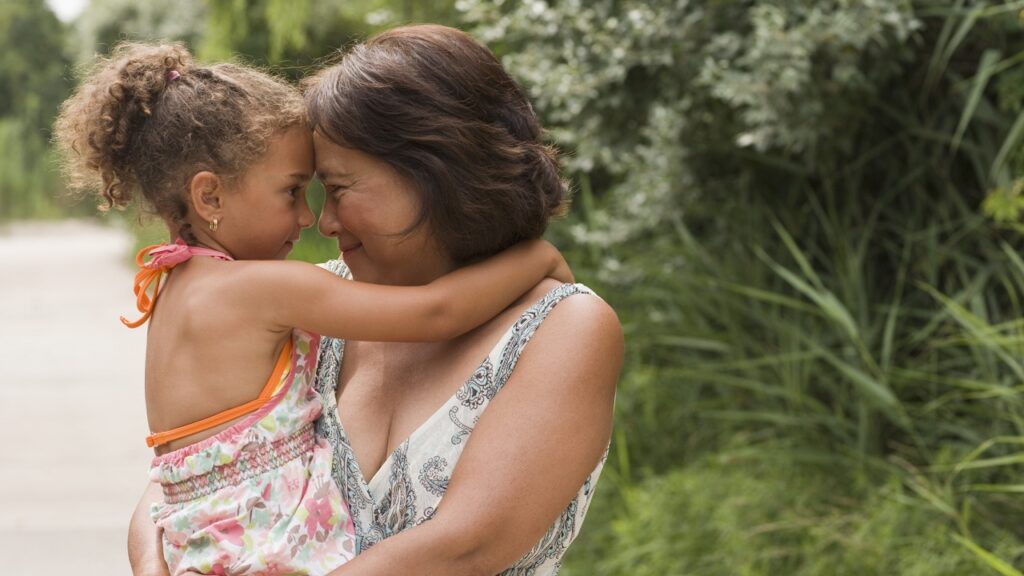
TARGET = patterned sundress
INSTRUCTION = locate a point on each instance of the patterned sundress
(410, 484)
(258, 497)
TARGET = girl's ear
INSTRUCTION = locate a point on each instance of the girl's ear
(207, 194)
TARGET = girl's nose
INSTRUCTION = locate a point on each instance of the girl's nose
(306, 217)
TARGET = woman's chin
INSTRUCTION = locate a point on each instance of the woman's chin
(350, 254)
(350, 258)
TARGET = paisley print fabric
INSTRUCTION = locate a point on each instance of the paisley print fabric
(412, 481)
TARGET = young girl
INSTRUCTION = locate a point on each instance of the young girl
(223, 155)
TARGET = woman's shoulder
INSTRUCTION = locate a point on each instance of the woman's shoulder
(571, 319)
(576, 304)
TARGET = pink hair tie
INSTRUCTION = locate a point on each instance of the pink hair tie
(173, 75)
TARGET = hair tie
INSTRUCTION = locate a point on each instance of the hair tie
(173, 75)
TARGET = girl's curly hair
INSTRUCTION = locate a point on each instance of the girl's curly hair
(147, 119)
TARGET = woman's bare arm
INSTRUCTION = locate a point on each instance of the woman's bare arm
(513, 480)
(144, 550)
(294, 294)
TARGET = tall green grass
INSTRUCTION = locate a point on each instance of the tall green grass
(825, 367)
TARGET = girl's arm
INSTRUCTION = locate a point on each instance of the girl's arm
(529, 454)
(295, 294)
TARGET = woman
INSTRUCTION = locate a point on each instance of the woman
(431, 157)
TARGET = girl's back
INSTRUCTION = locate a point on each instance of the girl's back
(203, 354)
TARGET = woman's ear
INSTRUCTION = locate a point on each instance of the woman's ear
(207, 194)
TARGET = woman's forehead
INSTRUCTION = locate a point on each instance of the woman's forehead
(334, 160)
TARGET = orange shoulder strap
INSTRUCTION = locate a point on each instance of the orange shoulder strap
(163, 257)
(145, 278)
(283, 361)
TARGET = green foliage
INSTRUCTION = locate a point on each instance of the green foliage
(34, 79)
(33, 69)
(647, 94)
(288, 35)
(774, 512)
(105, 23)
(312, 247)
(29, 178)
(782, 202)
(292, 36)
(1005, 206)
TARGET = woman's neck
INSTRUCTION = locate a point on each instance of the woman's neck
(429, 264)
(423, 271)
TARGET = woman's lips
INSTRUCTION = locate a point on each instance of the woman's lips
(350, 247)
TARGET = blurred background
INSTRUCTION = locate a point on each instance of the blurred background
(807, 214)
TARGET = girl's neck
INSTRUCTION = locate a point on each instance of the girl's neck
(204, 239)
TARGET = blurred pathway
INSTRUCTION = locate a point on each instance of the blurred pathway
(72, 457)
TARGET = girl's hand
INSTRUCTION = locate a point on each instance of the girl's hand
(562, 272)
(559, 267)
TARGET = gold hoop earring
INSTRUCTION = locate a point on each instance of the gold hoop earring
(214, 224)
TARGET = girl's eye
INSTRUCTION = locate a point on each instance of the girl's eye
(294, 191)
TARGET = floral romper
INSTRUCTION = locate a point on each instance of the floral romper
(256, 498)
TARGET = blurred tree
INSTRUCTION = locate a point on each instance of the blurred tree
(34, 75)
(34, 80)
(289, 36)
(104, 23)
(293, 35)
(650, 95)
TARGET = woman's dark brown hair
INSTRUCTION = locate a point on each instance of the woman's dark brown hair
(148, 119)
(439, 107)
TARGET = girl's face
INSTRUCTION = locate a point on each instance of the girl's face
(367, 207)
(266, 208)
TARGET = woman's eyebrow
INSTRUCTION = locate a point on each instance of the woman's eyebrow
(328, 174)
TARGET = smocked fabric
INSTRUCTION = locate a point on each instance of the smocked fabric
(258, 497)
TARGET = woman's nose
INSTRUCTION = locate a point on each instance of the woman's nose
(328, 223)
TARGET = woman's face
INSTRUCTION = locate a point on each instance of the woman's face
(367, 207)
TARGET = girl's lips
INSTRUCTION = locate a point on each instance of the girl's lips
(350, 247)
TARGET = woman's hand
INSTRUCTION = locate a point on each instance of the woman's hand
(145, 553)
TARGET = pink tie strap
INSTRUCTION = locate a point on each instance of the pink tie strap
(162, 257)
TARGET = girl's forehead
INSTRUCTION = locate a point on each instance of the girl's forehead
(290, 152)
